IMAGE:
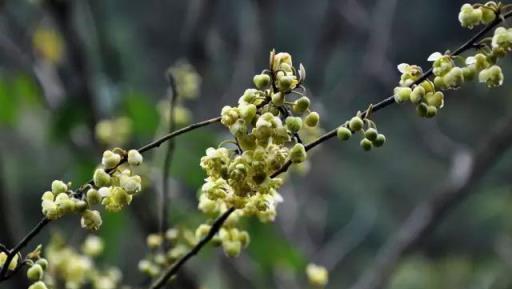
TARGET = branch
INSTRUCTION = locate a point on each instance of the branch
(218, 223)
(427, 215)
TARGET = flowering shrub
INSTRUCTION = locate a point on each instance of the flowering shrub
(245, 172)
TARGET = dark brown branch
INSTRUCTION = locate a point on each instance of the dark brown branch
(427, 215)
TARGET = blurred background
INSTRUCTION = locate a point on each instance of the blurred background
(434, 204)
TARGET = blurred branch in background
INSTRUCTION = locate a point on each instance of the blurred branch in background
(467, 170)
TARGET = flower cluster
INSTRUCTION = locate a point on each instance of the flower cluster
(113, 186)
(179, 241)
(371, 136)
(65, 265)
(451, 71)
(473, 15)
(266, 126)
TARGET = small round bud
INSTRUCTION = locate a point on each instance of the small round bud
(312, 119)
(293, 123)
(101, 178)
(356, 123)
(366, 144)
(469, 72)
(59, 187)
(454, 78)
(298, 153)
(232, 248)
(380, 140)
(417, 94)
(301, 105)
(64, 204)
(402, 94)
(261, 81)
(343, 133)
(93, 197)
(38, 285)
(134, 158)
(371, 134)
(35, 273)
(431, 111)
(428, 86)
(110, 159)
(43, 263)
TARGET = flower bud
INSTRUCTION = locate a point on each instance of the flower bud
(488, 15)
(261, 81)
(301, 105)
(366, 144)
(131, 184)
(12, 265)
(343, 133)
(64, 204)
(469, 72)
(431, 111)
(293, 123)
(91, 220)
(232, 248)
(421, 109)
(380, 140)
(59, 187)
(439, 82)
(454, 78)
(49, 196)
(154, 241)
(134, 158)
(356, 123)
(248, 112)
(202, 231)
(371, 134)
(101, 178)
(402, 94)
(317, 275)
(469, 16)
(298, 153)
(50, 210)
(417, 94)
(435, 99)
(428, 86)
(285, 83)
(93, 197)
(110, 159)
(43, 263)
(278, 98)
(35, 273)
(492, 76)
(38, 285)
(312, 119)
(244, 238)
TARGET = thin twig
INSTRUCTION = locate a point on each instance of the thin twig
(164, 209)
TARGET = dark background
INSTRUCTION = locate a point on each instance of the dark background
(113, 59)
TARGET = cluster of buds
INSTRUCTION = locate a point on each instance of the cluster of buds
(166, 250)
(113, 186)
(371, 136)
(266, 125)
(473, 15)
(37, 267)
(61, 201)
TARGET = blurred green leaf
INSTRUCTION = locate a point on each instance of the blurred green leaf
(9, 103)
(142, 112)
